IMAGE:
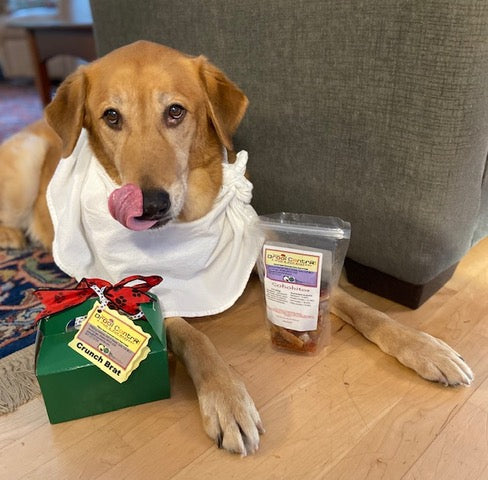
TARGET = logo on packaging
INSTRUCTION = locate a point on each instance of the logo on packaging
(292, 266)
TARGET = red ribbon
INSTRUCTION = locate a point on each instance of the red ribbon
(119, 296)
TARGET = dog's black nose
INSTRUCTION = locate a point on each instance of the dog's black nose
(156, 204)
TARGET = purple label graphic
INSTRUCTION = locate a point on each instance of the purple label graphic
(291, 275)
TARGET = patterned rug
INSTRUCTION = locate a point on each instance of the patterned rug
(19, 106)
(22, 272)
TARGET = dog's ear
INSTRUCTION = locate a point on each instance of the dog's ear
(226, 103)
(66, 111)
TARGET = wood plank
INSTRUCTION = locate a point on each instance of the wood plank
(14, 426)
(315, 419)
(453, 455)
(395, 443)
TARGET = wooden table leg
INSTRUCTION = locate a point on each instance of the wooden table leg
(43, 83)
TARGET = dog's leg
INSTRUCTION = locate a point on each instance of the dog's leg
(41, 228)
(430, 357)
(21, 160)
(229, 415)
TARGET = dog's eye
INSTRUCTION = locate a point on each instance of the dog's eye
(174, 114)
(112, 118)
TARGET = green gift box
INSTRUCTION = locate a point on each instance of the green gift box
(73, 387)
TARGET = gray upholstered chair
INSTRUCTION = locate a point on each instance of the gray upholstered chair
(375, 111)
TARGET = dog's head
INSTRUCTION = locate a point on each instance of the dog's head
(157, 121)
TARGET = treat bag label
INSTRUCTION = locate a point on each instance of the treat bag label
(292, 286)
(112, 342)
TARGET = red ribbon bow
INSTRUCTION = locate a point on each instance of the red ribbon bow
(119, 296)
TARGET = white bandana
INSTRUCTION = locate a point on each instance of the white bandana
(205, 264)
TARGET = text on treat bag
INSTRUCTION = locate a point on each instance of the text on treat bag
(292, 286)
(112, 342)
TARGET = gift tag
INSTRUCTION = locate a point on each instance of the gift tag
(112, 342)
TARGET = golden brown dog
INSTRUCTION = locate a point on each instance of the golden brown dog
(159, 119)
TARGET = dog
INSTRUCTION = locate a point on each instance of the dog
(159, 120)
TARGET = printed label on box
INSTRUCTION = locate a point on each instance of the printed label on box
(112, 342)
(292, 286)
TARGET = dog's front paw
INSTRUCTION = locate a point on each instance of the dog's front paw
(434, 360)
(11, 238)
(229, 415)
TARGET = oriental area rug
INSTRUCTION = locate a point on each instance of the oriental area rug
(19, 106)
(21, 273)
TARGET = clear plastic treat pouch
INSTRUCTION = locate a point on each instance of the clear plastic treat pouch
(300, 264)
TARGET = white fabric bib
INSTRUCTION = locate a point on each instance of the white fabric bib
(205, 264)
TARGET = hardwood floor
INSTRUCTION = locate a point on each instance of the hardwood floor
(349, 413)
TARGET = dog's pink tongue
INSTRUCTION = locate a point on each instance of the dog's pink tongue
(126, 204)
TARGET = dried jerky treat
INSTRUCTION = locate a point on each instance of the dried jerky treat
(304, 342)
